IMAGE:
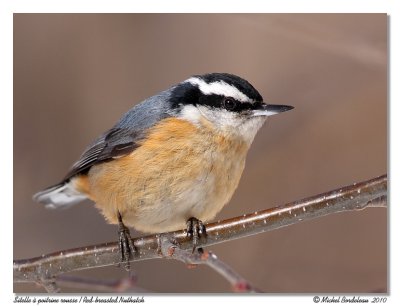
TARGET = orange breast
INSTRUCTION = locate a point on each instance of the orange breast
(179, 171)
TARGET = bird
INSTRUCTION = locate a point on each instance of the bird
(172, 161)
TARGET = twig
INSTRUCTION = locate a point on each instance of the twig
(49, 284)
(353, 197)
(238, 283)
(120, 285)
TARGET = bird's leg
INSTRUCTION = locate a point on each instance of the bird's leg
(195, 229)
(126, 247)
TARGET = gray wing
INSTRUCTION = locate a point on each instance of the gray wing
(123, 138)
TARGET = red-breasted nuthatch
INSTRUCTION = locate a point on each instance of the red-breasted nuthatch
(174, 159)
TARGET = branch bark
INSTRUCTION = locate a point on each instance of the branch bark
(238, 283)
(126, 284)
(45, 269)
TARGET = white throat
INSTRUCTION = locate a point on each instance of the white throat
(225, 122)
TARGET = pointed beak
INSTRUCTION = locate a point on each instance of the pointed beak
(271, 109)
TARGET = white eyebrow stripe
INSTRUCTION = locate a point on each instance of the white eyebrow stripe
(220, 88)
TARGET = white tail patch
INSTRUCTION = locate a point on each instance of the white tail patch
(60, 196)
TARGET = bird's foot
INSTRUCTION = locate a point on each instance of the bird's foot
(126, 247)
(196, 230)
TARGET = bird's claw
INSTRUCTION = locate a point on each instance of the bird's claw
(126, 247)
(196, 230)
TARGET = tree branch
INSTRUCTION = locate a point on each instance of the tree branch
(238, 283)
(46, 268)
(126, 284)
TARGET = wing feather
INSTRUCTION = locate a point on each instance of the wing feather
(123, 138)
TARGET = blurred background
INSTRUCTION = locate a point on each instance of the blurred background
(76, 74)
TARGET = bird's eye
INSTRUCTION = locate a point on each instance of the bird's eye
(229, 103)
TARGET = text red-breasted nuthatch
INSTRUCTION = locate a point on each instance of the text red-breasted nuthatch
(174, 159)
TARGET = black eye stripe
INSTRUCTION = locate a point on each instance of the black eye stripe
(210, 100)
(218, 101)
(244, 106)
(186, 93)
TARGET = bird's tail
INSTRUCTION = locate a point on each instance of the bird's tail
(62, 195)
